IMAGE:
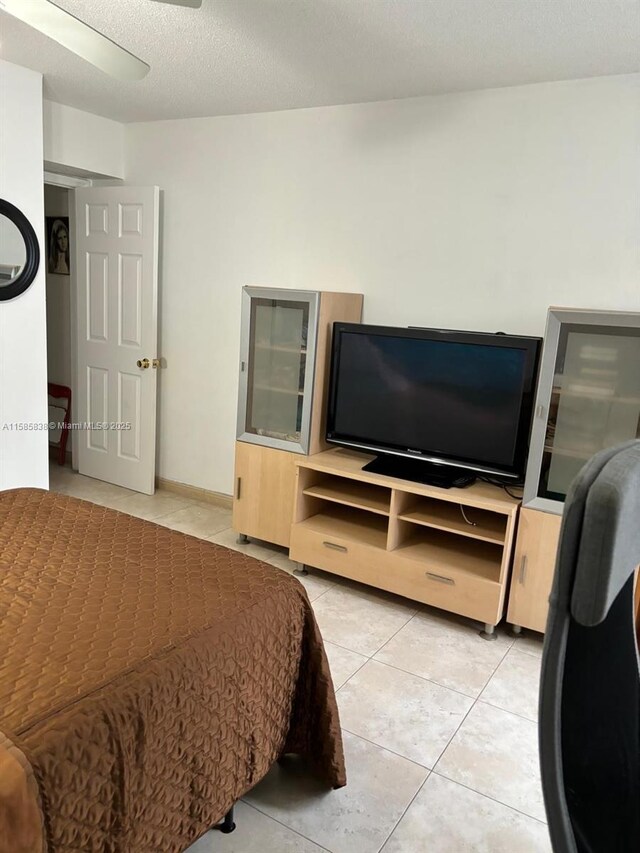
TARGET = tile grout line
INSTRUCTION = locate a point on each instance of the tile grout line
(537, 655)
(497, 707)
(289, 828)
(424, 678)
(398, 822)
(489, 797)
(386, 642)
(404, 625)
(442, 775)
(314, 615)
(336, 585)
(156, 518)
(506, 711)
(339, 645)
(348, 680)
(474, 701)
(495, 669)
(374, 659)
(387, 749)
(430, 770)
(468, 788)
(514, 648)
(458, 727)
(473, 705)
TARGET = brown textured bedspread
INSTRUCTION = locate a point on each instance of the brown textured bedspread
(148, 679)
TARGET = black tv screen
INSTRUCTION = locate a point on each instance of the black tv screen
(461, 398)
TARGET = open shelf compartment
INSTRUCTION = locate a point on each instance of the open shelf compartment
(479, 524)
(353, 493)
(447, 552)
(349, 523)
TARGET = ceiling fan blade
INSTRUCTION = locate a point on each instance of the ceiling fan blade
(78, 37)
(194, 4)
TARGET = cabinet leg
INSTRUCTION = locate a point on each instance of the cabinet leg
(516, 630)
(489, 632)
(301, 570)
(242, 539)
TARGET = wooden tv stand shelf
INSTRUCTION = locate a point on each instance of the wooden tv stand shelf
(405, 537)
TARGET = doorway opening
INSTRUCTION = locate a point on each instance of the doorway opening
(59, 266)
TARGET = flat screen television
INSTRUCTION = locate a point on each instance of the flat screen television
(439, 406)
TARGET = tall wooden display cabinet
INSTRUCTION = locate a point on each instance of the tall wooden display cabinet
(285, 351)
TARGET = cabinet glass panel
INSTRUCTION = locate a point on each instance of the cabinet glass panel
(595, 400)
(276, 368)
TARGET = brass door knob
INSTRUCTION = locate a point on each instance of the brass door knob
(143, 363)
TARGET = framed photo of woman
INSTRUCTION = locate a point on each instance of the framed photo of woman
(58, 244)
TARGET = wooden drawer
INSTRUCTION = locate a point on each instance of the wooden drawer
(455, 591)
(336, 554)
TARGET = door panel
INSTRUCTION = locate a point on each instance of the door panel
(533, 568)
(97, 285)
(129, 407)
(264, 492)
(117, 293)
(130, 301)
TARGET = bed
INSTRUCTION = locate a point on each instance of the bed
(148, 679)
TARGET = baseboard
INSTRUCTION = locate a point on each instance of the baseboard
(195, 492)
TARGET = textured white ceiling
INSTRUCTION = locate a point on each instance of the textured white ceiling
(239, 56)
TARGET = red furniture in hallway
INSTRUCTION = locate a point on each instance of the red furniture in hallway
(60, 398)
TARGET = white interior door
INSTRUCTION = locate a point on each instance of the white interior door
(117, 333)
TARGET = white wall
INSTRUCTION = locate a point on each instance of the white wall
(474, 210)
(77, 142)
(23, 346)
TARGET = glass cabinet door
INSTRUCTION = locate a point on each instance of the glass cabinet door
(277, 367)
(593, 401)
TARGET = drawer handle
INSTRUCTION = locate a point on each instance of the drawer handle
(523, 570)
(335, 547)
(440, 578)
(238, 488)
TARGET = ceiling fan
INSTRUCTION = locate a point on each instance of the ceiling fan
(72, 33)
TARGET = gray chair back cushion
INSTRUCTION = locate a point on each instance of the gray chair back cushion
(590, 683)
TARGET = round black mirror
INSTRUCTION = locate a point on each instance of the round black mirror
(19, 251)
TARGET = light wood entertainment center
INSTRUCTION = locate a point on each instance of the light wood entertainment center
(450, 548)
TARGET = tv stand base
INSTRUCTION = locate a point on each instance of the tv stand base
(449, 548)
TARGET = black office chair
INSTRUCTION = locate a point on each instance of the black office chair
(590, 685)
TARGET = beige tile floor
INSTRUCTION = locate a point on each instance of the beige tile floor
(439, 725)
